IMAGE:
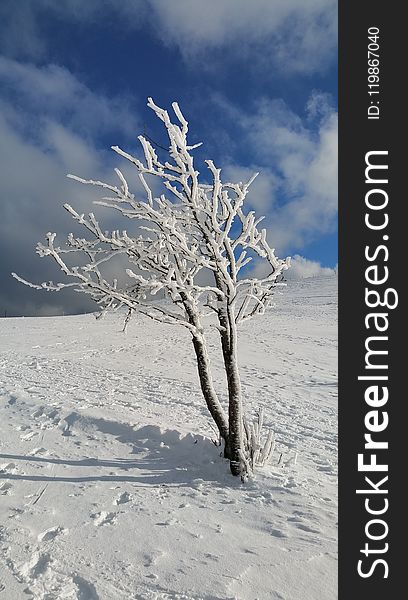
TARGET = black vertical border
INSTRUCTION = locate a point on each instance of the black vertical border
(358, 135)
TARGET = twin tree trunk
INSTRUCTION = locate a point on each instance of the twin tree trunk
(235, 416)
(231, 431)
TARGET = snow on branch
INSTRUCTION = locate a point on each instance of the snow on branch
(201, 232)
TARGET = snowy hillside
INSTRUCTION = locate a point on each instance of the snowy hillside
(110, 486)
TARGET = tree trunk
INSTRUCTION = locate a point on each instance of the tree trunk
(234, 395)
(235, 415)
(207, 387)
(204, 374)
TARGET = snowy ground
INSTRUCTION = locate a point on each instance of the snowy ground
(111, 489)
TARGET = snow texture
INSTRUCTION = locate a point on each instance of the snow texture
(110, 485)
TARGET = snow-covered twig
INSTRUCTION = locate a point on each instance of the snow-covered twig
(257, 453)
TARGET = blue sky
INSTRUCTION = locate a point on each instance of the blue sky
(256, 80)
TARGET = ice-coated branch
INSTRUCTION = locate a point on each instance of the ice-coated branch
(202, 227)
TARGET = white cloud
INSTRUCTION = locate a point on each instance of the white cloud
(261, 195)
(297, 161)
(312, 180)
(48, 128)
(53, 92)
(294, 35)
(33, 188)
(73, 153)
(319, 105)
(48, 122)
(302, 268)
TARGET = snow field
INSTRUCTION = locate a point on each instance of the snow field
(111, 487)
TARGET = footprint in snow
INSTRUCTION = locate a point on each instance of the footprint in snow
(46, 579)
(169, 522)
(36, 565)
(51, 533)
(63, 425)
(8, 468)
(28, 436)
(12, 399)
(278, 533)
(104, 518)
(306, 528)
(122, 498)
(5, 488)
(295, 519)
(36, 451)
(153, 557)
(39, 412)
(23, 427)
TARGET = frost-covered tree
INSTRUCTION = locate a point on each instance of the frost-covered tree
(193, 242)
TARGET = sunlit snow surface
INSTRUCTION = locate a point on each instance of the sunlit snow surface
(110, 486)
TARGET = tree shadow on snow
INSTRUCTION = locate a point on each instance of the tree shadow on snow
(161, 457)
